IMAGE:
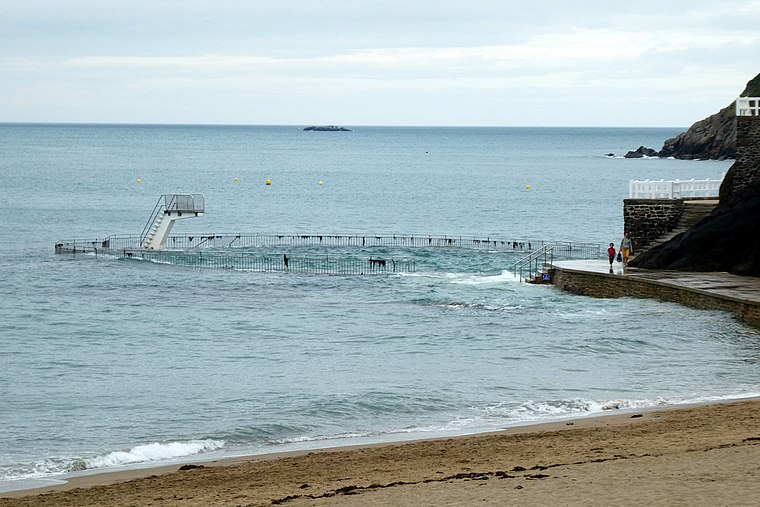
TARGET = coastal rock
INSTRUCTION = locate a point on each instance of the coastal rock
(326, 128)
(641, 152)
(710, 139)
(726, 240)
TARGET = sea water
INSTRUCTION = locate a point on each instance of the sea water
(110, 363)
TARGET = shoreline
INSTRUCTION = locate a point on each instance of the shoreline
(520, 455)
(97, 476)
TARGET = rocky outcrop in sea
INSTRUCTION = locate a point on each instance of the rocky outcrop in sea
(326, 128)
(642, 152)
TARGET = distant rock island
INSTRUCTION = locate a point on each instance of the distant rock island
(327, 128)
(713, 138)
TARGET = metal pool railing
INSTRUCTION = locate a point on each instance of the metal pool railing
(234, 251)
(348, 240)
(274, 262)
(234, 240)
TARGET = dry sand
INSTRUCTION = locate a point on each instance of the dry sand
(702, 455)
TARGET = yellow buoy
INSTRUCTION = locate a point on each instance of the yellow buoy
(268, 182)
(139, 180)
(321, 183)
(236, 180)
(527, 187)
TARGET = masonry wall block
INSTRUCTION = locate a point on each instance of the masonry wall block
(648, 219)
(747, 165)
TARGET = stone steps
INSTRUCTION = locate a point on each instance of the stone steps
(693, 213)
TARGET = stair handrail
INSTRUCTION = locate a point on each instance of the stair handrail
(527, 260)
(193, 203)
(549, 251)
(157, 209)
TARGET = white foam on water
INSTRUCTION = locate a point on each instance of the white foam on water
(154, 452)
(489, 419)
(505, 276)
(319, 438)
(55, 470)
(461, 305)
(539, 411)
(546, 411)
(484, 419)
(496, 417)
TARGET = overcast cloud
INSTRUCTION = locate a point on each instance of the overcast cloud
(553, 63)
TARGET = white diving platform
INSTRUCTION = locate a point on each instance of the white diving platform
(169, 209)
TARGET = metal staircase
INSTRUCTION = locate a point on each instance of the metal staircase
(169, 209)
(540, 260)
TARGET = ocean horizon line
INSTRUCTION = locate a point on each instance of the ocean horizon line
(346, 125)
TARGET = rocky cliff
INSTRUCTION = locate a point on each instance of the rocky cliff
(713, 138)
(727, 240)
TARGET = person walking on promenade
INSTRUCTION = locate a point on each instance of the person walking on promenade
(626, 248)
(611, 252)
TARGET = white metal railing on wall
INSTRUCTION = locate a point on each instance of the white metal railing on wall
(748, 106)
(675, 189)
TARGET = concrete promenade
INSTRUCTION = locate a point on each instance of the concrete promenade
(739, 295)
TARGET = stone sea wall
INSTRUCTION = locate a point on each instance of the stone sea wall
(726, 239)
(746, 169)
(604, 285)
(648, 219)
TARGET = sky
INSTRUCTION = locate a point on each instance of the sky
(372, 62)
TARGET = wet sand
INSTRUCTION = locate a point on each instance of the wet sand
(699, 455)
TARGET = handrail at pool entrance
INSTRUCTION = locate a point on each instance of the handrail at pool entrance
(529, 266)
(529, 263)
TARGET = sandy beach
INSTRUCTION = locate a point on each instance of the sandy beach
(699, 455)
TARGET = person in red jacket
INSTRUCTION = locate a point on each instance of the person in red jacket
(611, 252)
